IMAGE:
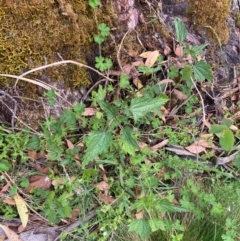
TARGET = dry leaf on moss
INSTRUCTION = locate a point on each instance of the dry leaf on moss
(22, 209)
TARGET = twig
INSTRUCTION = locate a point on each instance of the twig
(60, 63)
(79, 222)
(118, 52)
(202, 101)
(88, 92)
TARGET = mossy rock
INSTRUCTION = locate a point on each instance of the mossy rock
(35, 33)
(212, 15)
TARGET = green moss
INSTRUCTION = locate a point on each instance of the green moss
(35, 32)
(211, 14)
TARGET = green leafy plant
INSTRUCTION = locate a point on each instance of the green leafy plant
(103, 63)
(224, 133)
(94, 3)
(104, 32)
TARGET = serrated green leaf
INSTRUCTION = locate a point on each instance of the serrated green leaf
(124, 81)
(139, 107)
(156, 224)
(195, 50)
(202, 71)
(141, 227)
(111, 111)
(34, 143)
(180, 29)
(217, 128)
(186, 73)
(129, 145)
(227, 140)
(97, 142)
(68, 117)
(79, 108)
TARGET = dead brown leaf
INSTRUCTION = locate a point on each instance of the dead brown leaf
(179, 94)
(40, 182)
(103, 186)
(90, 111)
(104, 176)
(21, 228)
(159, 145)
(5, 188)
(179, 51)
(2, 237)
(71, 147)
(9, 201)
(139, 215)
(12, 236)
(167, 50)
(165, 81)
(142, 144)
(41, 169)
(137, 82)
(196, 148)
(106, 199)
(34, 155)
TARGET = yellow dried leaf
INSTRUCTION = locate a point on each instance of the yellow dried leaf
(12, 236)
(145, 54)
(152, 58)
(22, 209)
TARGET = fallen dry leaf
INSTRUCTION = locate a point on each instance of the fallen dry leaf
(145, 54)
(179, 51)
(71, 147)
(104, 176)
(34, 155)
(165, 81)
(39, 182)
(12, 236)
(167, 50)
(137, 82)
(159, 145)
(196, 148)
(139, 215)
(106, 199)
(90, 111)
(2, 237)
(41, 169)
(22, 209)
(142, 144)
(179, 94)
(21, 228)
(103, 186)
(9, 201)
(152, 58)
(5, 188)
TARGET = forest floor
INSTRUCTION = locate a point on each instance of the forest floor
(149, 151)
